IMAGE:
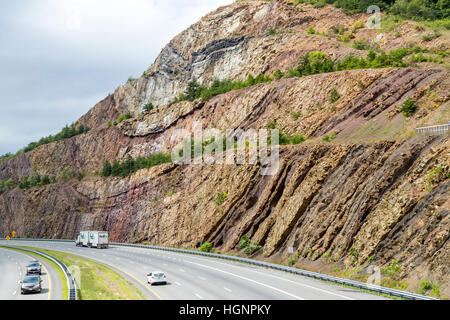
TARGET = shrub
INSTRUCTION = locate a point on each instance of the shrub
(81, 175)
(296, 115)
(334, 96)
(311, 30)
(106, 171)
(123, 117)
(66, 133)
(330, 137)
(391, 269)
(271, 32)
(362, 44)
(149, 106)
(408, 107)
(244, 241)
(221, 198)
(206, 247)
(6, 185)
(67, 174)
(424, 286)
(130, 165)
(253, 247)
(298, 138)
(278, 74)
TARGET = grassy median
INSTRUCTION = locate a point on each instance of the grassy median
(98, 282)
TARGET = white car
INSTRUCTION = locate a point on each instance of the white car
(156, 277)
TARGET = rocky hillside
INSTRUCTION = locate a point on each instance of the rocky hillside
(374, 191)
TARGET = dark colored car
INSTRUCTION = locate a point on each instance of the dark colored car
(31, 284)
(34, 268)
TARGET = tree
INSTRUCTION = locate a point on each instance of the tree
(193, 90)
(408, 107)
(149, 106)
(107, 169)
(278, 74)
(116, 169)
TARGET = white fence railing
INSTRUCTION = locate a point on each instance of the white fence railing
(434, 130)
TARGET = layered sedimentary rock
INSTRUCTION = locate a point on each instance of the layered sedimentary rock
(377, 191)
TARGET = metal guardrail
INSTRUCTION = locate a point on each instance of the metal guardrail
(355, 284)
(72, 290)
(434, 130)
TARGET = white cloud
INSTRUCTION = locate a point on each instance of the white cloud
(59, 58)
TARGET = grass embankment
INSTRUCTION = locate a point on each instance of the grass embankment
(98, 282)
(62, 277)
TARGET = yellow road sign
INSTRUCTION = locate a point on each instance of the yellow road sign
(7, 238)
(13, 234)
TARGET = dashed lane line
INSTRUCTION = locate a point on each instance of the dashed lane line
(248, 279)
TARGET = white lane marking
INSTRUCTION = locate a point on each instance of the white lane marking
(18, 282)
(201, 278)
(199, 296)
(178, 284)
(182, 270)
(229, 290)
(248, 279)
(14, 293)
(165, 264)
(274, 276)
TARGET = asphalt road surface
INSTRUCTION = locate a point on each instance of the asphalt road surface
(200, 278)
(13, 269)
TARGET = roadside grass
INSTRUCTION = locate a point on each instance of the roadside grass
(98, 282)
(65, 289)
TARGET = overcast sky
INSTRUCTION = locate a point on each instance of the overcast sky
(59, 58)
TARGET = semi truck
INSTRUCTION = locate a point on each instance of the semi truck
(96, 239)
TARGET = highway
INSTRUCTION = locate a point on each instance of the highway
(193, 277)
(13, 269)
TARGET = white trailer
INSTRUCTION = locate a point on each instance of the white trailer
(96, 239)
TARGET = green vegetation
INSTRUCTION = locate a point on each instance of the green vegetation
(195, 90)
(6, 156)
(293, 260)
(248, 246)
(61, 275)
(313, 62)
(426, 285)
(148, 107)
(361, 44)
(66, 132)
(221, 198)
(408, 107)
(123, 117)
(35, 180)
(6, 185)
(393, 268)
(296, 115)
(270, 32)
(98, 282)
(130, 165)
(285, 138)
(206, 247)
(409, 9)
(334, 96)
(329, 138)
